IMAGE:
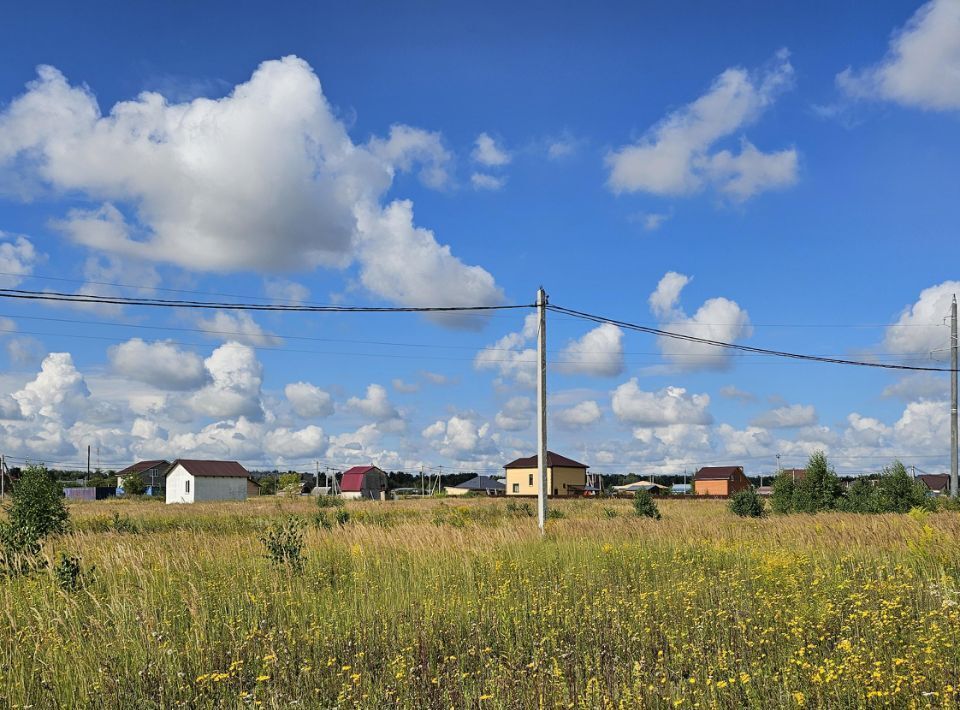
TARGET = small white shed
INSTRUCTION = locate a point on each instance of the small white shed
(195, 480)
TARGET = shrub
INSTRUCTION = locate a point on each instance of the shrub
(69, 573)
(37, 506)
(343, 516)
(520, 509)
(554, 514)
(284, 542)
(898, 492)
(19, 551)
(320, 520)
(123, 524)
(290, 483)
(268, 485)
(133, 485)
(747, 504)
(819, 489)
(329, 502)
(644, 506)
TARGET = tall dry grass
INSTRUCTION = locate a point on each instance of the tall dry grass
(460, 603)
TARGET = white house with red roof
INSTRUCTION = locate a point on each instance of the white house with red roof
(363, 482)
(195, 480)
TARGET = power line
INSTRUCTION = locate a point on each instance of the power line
(736, 346)
(177, 303)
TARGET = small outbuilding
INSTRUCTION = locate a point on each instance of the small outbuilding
(720, 481)
(628, 489)
(197, 480)
(564, 476)
(363, 482)
(152, 473)
(484, 485)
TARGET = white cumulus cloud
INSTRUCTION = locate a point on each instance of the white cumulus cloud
(487, 152)
(668, 406)
(308, 400)
(265, 178)
(599, 352)
(579, 415)
(376, 404)
(235, 380)
(717, 319)
(678, 156)
(922, 328)
(787, 416)
(922, 65)
(161, 364)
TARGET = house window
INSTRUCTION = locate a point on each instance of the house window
(516, 487)
(530, 480)
(187, 482)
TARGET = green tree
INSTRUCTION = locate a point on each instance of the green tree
(133, 485)
(862, 498)
(781, 500)
(819, 489)
(268, 485)
(898, 492)
(290, 483)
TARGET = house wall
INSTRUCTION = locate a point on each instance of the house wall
(559, 479)
(176, 486)
(220, 488)
(711, 488)
(252, 489)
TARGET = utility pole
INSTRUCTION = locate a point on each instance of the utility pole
(3, 476)
(87, 479)
(953, 397)
(421, 481)
(542, 409)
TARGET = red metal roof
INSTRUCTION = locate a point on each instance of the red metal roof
(352, 479)
(717, 473)
(936, 481)
(552, 460)
(142, 466)
(212, 469)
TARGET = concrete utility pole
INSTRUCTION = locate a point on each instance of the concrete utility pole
(542, 408)
(953, 397)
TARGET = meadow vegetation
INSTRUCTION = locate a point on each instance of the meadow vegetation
(278, 603)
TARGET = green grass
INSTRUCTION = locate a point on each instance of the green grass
(429, 604)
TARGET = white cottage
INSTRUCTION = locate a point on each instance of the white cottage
(194, 481)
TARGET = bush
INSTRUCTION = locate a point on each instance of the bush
(818, 490)
(268, 485)
(19, 551)
(284, 542)
(69, 573)
(290, 483)
(644, 505)
(343, 516)
(861, 497)
(781, 500)
(133, 485)
(520, 509)
(747, 504)
(554, 514)
(329, 502)
(123, 524)
(898, 492)
(37, 506)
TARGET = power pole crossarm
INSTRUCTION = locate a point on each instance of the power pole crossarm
(542, 408)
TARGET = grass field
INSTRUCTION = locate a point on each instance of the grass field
(459, 603)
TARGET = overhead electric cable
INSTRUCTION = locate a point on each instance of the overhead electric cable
(737, 346)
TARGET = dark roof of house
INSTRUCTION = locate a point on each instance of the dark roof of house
(352, 479)
(552, 460)
(795, 473)
(936, 481)
(212, 469)
(482, 483)
(141, 466)
(717, 473)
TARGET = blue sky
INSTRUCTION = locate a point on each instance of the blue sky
(782, 176)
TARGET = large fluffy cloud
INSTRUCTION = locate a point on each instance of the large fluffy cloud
(461, 438)
(671, 405)
(235, 380)
(922, 66)
(308, 400)
(58, 392)
(265, 178)
(511, 355)
(678, 155)
(376, 404)
(599, 352)
(579, 415)
(516, 414)
(922, 329)
(161, 364)
(717, 319)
